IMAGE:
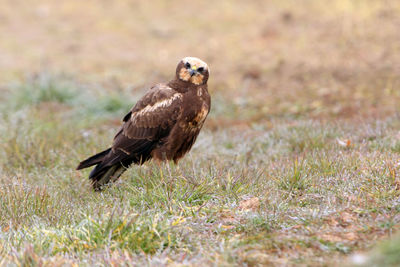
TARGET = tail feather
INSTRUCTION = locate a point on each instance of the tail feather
(105, 175)
(93, 160)
(110, 166)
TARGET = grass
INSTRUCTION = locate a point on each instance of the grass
(297, 164)
(309, 198)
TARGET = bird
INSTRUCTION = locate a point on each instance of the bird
(163, 125)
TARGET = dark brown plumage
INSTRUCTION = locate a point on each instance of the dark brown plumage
(163, 125)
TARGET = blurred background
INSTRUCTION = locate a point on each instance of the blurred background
(268, 59)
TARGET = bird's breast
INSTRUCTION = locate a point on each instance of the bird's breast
(194, 117)
(202, 114)
(198, 118)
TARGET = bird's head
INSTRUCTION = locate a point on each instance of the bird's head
(193, 70)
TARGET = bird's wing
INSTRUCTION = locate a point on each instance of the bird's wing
(149, 120)
(154, 113)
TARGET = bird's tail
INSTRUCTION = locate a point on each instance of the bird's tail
(102, 175)
(93, 160)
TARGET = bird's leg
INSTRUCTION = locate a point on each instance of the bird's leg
(168, 169)
(178, 168)
(159, 167)
(176, 164)
(158, 163)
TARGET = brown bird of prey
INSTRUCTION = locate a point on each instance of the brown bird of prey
(163, 125)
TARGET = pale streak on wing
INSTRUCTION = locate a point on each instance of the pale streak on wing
(162, 104)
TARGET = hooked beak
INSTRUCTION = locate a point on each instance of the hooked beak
(192, 72)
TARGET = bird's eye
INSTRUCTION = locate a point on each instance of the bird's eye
(187, 65)
(201, 69)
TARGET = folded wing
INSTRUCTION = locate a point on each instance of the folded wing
(148, 122)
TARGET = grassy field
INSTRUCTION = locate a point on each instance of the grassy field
(298, 162)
